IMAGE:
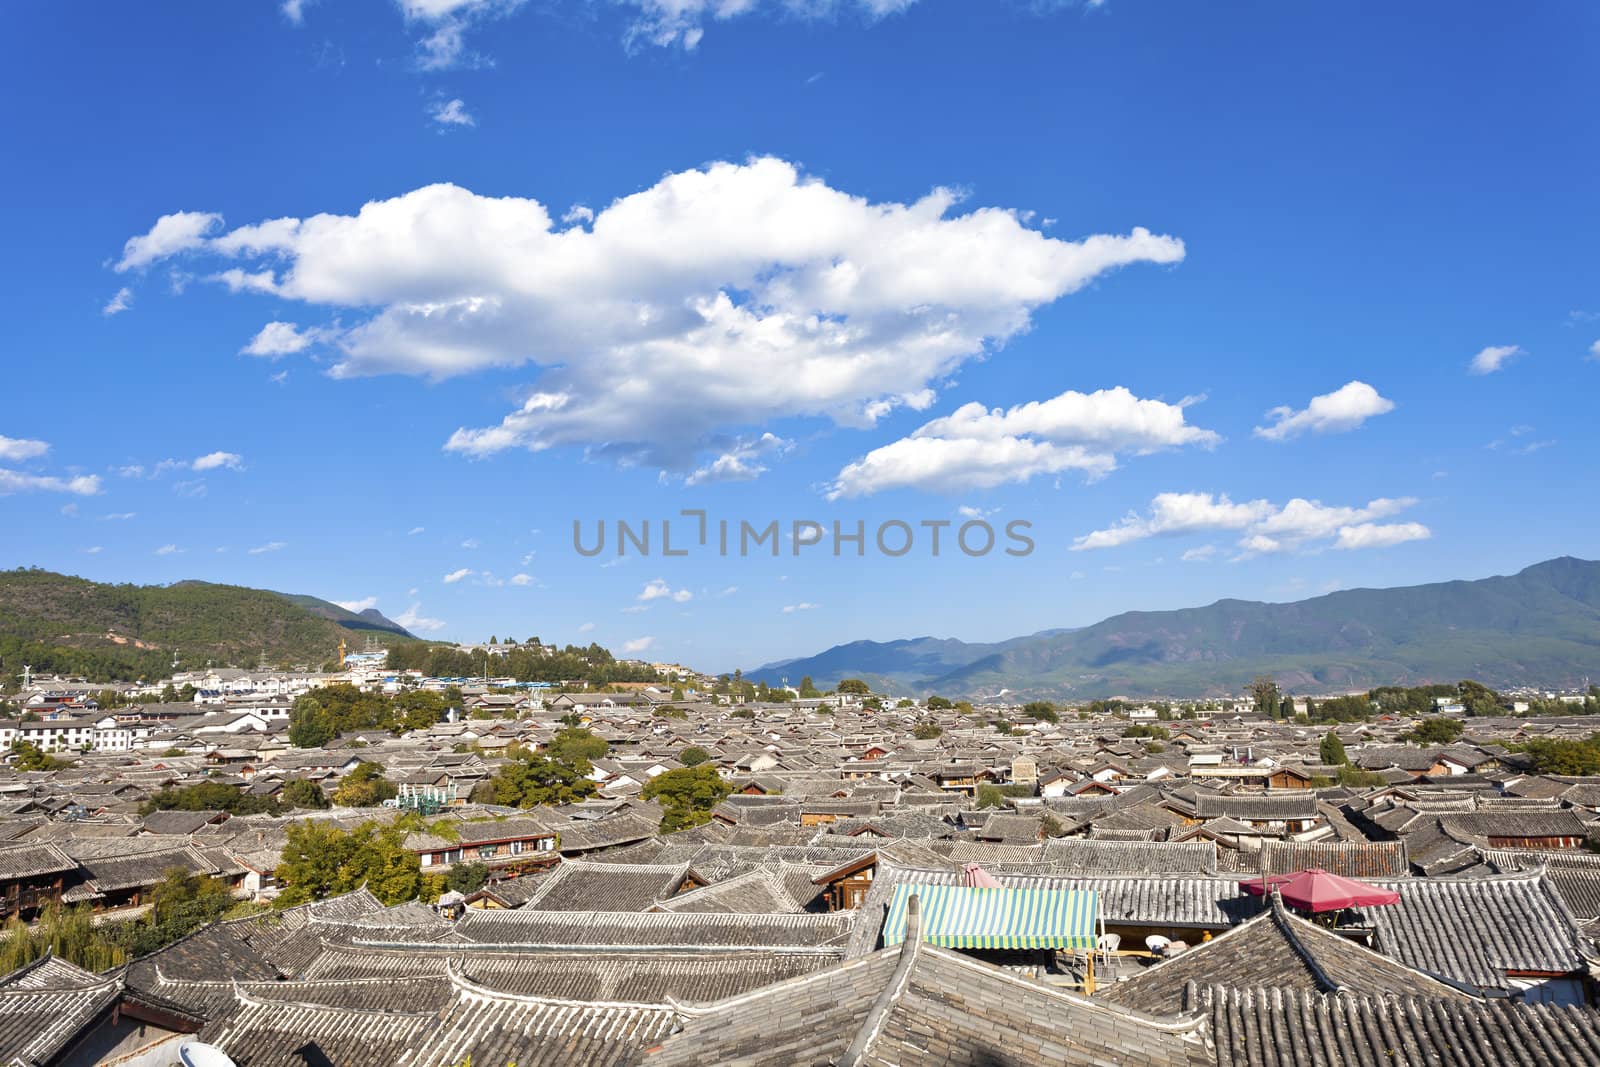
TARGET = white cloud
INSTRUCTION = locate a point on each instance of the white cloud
(122, 301)
(790, 609)
(522, 579)
(681, 23)
(182, 231)
(270, 546)
(217, 461)
(742, 462)
(295, 10)
(119, 516)
(415, 530)
(451, 113)
(578, 213)
(1264, 527)
(1345, 408)
(657, 589)
(413, 619)
(19, 482)
(94, 550)
(1494, 358)
(444, 25)
(1381, 535)
(587, 627)
(277, 339)
(975, 448)
(16, 449)
(638, 644)
(1197, 555)
(1594, 351)
(168, 550)
(455, 576)
(746, 292)
(358, 606)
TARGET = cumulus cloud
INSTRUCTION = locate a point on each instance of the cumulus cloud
(790, 609)
(17, 449)
(587, 627)
(638, 644)
(1494, 358)
(747, 292)
(413, 619)
(1200, 554)
(976, 448)
(455, 576)
(270, 546)
(1346, 408)
(218, 461)
(656, 589)
(1374, 535)
(358, 606)
(120, 302)
(1594, 351)
(21, 482)
(295, 10)
(681, 23)
(442, 26)
(1264, 527)
(742, 462)
(449, 113)
(277, 339)
(181, 231)
(522, 579)
(168, 550)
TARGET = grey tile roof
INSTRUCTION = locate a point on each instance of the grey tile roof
(1473, 930)
(1277, 950)
(1286, 1028)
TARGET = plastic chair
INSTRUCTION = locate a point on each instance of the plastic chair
(1157, 944)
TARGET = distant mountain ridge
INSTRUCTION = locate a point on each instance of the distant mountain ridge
(65, 624)
(1538, 626)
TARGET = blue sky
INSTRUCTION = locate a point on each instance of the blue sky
(373, 300)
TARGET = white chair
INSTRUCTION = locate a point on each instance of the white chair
(1157, 944)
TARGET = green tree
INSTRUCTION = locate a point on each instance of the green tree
(1332, 750)
(927, 731)
(808, 688)
(688, 795)
(530, 780)
(27, 756)
(855, 686)
(310, 725)
(364, 787)
(575, 743)
(301, 793)
(1264, 691)
(321, 860)
(693, 756)
(1438, 731)
(1576, 758)
(467, 877)
(1042, 710)
(939, 703)
(209, 796)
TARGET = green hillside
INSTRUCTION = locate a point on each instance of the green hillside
(62, 624)
(1540, 627)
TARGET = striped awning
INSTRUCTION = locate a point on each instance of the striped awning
(958, 916)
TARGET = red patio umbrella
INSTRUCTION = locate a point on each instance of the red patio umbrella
(1315, 890)
(975, 876)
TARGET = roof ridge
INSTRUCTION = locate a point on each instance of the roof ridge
(872, 1024)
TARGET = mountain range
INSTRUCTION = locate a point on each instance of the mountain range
(1540, 626)
(64, 624)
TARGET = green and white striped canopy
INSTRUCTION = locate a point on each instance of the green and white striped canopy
(958, 916)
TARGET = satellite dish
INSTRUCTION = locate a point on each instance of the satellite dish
(200, 1054)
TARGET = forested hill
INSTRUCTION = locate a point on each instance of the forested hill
(1540, 626)
(58, 623)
